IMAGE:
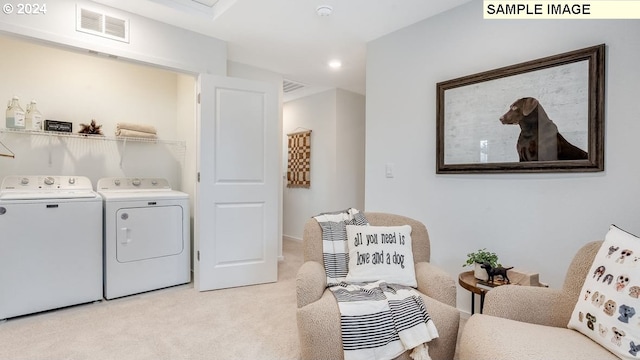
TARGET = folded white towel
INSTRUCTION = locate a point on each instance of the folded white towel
(135, 134)
(136, 127)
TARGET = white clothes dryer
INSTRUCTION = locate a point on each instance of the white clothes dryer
(146, 235)
(50, 243)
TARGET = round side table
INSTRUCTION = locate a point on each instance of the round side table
(469, 282)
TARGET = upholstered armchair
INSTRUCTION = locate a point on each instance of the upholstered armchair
(522, 322)
(318, 315)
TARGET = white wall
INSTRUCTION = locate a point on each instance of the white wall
(533, 221)
(350, 150)
(186, 124)
(336, 118)
(78, 87)
(150, 41)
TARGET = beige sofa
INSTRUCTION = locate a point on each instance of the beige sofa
(521, 322)
(318, 315)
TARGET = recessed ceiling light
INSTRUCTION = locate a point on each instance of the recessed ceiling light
(335, 64)
(324, 10)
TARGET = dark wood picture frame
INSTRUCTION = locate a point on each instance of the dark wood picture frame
(476, 135)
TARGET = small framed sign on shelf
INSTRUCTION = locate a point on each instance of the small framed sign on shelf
(60, 126)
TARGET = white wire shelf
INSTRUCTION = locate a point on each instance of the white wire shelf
(88, 136)
(177, 146)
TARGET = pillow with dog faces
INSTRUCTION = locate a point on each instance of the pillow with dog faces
(608, 310)
(381, 253)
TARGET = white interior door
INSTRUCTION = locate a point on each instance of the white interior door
(236, 229)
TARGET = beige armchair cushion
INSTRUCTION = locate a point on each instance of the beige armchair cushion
(318, 315)
(521, 322)
(488, 337)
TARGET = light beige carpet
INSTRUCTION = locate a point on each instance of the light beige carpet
(253, 322)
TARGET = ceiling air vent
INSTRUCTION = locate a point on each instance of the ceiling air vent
(290, 86)
(101, 24)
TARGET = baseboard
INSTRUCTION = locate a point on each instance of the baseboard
(288, 238)
(464, 315)
(292, 238)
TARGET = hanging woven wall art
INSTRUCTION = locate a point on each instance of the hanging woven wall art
(299, 159)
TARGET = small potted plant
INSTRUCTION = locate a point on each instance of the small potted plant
(479, 257)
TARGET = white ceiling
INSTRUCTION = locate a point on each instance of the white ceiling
(289, 37)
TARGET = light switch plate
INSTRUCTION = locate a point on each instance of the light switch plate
(389, 170)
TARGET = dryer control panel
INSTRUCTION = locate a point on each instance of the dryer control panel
(125, 184)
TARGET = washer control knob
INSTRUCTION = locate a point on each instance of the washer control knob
(72, 180)
(154, 182)
(24, 181)
(136, 182)
(49, 180)
(117, 182)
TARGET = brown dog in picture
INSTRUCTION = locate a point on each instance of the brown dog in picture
(539, 138)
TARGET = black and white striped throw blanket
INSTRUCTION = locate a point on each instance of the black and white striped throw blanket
(378, 320)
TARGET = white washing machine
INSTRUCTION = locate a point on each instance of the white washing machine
(50, 243)
(146, 235)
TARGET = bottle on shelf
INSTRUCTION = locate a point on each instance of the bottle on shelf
(15, 114)
(33, 118)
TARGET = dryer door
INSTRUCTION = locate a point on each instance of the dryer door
(149, 232)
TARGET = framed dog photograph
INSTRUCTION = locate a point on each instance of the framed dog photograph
(544, 115)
